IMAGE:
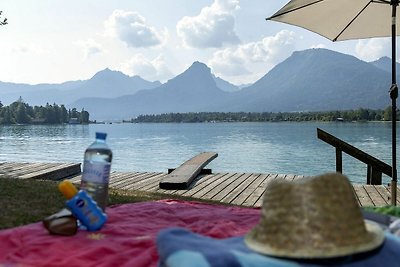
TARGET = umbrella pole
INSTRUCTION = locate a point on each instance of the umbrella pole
(393, 96)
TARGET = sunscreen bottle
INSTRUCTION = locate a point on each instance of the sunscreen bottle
(82, 206)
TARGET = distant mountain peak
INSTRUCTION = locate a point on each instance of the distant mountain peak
(385, 58)
(197, 77)
(198, 66)
(197, 71)
(107, 73)
(385, 63)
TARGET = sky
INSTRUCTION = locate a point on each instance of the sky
(53, 41)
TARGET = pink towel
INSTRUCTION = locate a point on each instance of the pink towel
(127, 239)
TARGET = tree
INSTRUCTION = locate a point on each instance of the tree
(4, 22)
(64, 114)
(84, 116)
(21, 115)
(387, 115)
(74, 113)
(5, 115)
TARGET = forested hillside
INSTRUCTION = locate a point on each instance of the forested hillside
(20, 112)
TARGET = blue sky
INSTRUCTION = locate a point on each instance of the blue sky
(52, 41)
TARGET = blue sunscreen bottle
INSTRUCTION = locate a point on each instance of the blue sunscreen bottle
(83, 207)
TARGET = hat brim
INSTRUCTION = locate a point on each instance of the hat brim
(373, 229)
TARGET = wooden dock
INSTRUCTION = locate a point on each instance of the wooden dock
(244, 189)
(45, 171)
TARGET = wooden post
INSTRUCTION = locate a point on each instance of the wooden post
(339, 166)
(369, 174)
(374, 176)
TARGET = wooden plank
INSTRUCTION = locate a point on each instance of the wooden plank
(362, 196)
(125, 178)
(55, 173)
(228, 186)
(182, 176)
(202, 188)
(260, 199)
(77, 179)
(375, 196)
(200, 178)
(384, 193)
(239, 189)
(142, 178)
(388, 188)
(240, 200)
(8, 165)
(150, 181)
(259, 191)
(18, 170)
(197, 185)
(289, 177)
(214, 188)
(152, 184)
(296, 177)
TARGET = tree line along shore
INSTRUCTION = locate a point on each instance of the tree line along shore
(20, 112)
(360, 114)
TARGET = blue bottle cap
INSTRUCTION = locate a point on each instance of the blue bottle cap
(101, 136)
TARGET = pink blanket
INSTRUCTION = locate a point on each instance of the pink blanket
(127, 239)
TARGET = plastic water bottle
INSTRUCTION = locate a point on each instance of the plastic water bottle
(96, 170)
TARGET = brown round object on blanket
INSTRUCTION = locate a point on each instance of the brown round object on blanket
(61, 223)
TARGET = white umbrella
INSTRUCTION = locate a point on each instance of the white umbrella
(340, 20)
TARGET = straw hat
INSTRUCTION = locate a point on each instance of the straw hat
(313, 217)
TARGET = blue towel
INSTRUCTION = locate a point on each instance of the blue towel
(178, 247)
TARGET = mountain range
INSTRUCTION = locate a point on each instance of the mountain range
(309, 80)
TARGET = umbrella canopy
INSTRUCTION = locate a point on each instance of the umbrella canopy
(340, 20)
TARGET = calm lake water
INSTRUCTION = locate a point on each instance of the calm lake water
(285, 147)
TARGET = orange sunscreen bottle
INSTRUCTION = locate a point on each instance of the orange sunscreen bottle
(82, 206)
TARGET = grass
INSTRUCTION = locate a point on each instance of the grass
(28, 201)
(387, 210)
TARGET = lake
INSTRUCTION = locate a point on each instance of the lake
(272, 147)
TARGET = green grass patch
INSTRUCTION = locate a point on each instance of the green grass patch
(387, 210)
(28, 201)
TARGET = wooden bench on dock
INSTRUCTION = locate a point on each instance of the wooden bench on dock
(183, 176)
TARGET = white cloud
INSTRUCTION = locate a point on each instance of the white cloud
(90, 48)
(213, 27)
(228, 63)
(318, 46)
(132, 28)
(152, 70)
(373, 49)
(267, 53)
(29, 49)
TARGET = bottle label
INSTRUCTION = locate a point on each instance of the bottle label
(96, 172)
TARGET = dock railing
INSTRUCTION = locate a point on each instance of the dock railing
(375, 167)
